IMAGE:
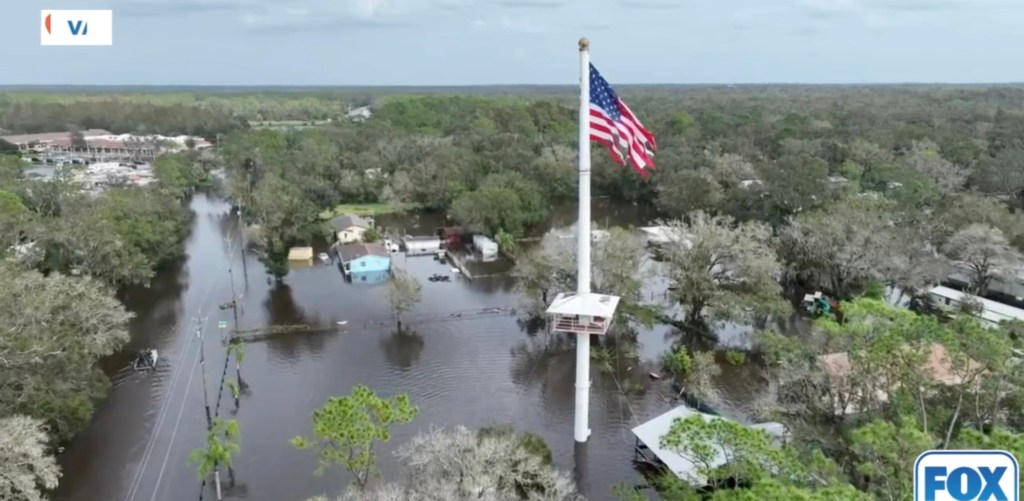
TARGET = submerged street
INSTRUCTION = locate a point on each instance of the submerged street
(464, 365)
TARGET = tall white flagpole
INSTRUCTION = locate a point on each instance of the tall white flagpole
(582, 427)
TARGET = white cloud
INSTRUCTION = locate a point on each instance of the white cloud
(521, 25)
(479, 25)
(833, 5)
(368, 9)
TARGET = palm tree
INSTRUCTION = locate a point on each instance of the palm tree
(235, 391)
(222, 442)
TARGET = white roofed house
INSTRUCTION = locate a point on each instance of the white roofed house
(649, 450)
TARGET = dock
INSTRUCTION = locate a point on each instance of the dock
(264, 333)
(456, 261)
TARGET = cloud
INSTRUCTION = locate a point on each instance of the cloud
(156, 8)
(651, 4)
(301, 19)
(882, 14)
(368, 9)
(864, 8)
(924, 5)
(521, 25)
(453, 4)
(828, 8)
(479, 25)
(533, 4)
(744, 18)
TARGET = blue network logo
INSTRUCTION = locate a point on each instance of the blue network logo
(966, 476)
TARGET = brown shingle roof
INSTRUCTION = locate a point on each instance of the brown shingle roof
(938, 365)
(350, 252)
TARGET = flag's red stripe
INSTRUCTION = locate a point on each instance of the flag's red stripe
(628, 116)
(622, 136)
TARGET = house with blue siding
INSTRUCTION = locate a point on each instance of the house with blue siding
(364, 258)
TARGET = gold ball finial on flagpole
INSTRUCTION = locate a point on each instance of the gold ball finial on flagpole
(584, 44)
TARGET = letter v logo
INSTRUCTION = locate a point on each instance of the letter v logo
(78, 27)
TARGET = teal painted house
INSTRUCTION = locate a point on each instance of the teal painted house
(364, 259)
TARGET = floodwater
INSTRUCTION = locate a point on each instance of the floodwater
(468, 362)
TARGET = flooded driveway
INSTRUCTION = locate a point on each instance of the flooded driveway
(468, 362)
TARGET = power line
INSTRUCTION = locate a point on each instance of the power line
(177, 423)
(151, 445)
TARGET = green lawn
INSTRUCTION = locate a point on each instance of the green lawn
(367, 209)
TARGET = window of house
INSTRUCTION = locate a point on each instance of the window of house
(362, 263)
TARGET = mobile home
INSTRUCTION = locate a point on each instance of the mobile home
(421, 245)
(992, 312)
(486, 246)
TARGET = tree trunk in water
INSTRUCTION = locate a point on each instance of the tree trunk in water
(216, 481)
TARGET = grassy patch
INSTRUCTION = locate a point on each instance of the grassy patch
(367, 209)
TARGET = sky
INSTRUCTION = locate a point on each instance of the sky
(480, 42)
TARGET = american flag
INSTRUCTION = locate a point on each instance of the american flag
(615, 126)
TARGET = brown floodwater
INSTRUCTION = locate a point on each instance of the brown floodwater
(469, 362)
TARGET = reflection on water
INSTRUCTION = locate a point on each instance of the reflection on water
(402, 348)
(473, 369)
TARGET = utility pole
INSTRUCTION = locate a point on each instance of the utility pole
(241, 245)
(202, 363)
(231, 275)
(241, 219)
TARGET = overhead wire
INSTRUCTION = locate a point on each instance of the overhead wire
(187, 343)
(151, 443)
(177, 424)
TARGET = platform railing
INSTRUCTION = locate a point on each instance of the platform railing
(571, 324)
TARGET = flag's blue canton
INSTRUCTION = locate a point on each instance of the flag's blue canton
(603, 96)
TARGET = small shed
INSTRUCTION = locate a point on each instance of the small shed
(421, 245)
(648, 443)
(357, 258)
(300, 254)
(350, 228)
(486, 246)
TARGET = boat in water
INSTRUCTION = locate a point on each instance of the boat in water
(146, 359)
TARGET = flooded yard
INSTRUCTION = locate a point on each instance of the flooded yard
(467, 361)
